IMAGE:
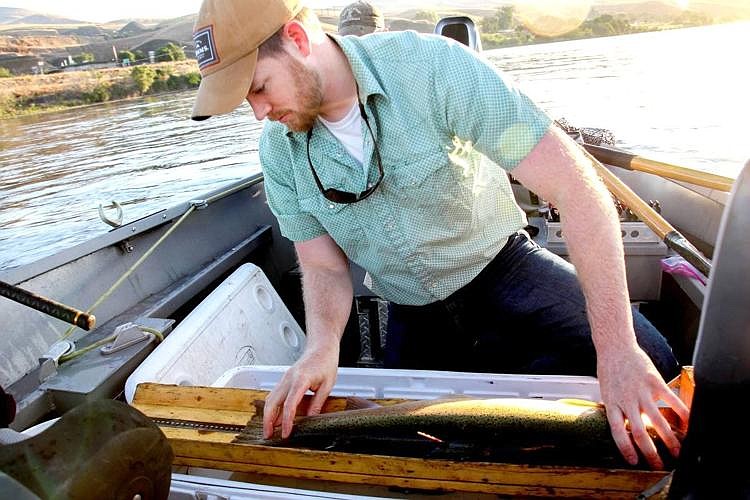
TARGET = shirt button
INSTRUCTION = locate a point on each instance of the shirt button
(331, 206)
(369, 185)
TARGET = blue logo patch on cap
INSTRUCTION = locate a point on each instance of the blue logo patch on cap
(205, 48)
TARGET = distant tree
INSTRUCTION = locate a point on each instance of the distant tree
(100, 93)
(144, 77)
(139, 55)
(426, 15)
(606, 25)
(691, 18)
(85, 57)
(170, 52)
(193, 78)
(126, 54)
(5, 72)
(500, 21)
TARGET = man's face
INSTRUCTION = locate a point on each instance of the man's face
(285, 90)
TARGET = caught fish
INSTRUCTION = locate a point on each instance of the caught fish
(513, 430)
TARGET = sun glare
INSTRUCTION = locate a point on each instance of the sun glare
(551, 17)
(683, 4)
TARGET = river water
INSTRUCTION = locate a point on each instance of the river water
(679, 96)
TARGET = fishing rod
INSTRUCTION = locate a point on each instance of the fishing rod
(671, 237)
(629, 161)
(47, 306)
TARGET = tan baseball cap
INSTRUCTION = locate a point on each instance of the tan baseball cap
(360, 18)
(227, 35)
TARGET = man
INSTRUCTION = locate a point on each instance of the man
(360, 18)
(369, 154)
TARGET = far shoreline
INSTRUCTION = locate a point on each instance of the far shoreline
(36, 94)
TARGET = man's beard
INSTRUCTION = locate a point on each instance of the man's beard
(308, 94)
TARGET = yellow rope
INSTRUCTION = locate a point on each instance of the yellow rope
(80, 352)
(84, 350)
(130, 271)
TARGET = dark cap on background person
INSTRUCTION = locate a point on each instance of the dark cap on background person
(227, 35)
(360, 18)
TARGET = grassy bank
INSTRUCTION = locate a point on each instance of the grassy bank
(22, 95)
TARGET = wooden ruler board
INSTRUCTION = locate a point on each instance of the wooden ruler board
(229, 407)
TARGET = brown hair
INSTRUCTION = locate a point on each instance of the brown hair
(274, 45)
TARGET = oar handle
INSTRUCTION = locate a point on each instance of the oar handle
(47, 306)
(652, 218)
(629, 161)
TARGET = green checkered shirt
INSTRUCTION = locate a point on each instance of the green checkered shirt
(442, 211)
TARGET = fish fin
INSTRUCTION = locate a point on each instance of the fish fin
(259, 405)
(358, 403)
(253, 431)
(580, 402)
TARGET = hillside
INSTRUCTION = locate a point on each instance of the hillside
(12, 14)
(657, 11)
(24, 44)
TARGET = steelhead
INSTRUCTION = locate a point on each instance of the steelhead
(513, 430)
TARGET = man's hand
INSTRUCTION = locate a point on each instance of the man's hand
(315, 370)
(327, 292)
(630, 387)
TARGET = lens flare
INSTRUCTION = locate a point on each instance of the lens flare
(551, 17)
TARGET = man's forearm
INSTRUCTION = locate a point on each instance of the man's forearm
(592, 234)
(328, 299)
(559, 171)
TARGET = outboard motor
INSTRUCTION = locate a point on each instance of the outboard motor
(707, 467)
(460, 28)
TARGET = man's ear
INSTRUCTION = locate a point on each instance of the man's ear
(296, 33)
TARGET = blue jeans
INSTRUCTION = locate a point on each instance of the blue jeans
(524, 313)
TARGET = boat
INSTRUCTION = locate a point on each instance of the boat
(155, 272)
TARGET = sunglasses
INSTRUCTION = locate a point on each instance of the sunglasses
(345, 197)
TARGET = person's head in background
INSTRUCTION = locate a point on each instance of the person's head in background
(360, 18)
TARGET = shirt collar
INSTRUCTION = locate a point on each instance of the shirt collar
(366, 80)
(367, 83)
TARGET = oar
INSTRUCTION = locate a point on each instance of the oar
(656, 222)
(629, 161)
(47, 306)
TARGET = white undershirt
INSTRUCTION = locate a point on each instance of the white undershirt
(348, 131)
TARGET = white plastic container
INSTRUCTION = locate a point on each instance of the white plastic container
(375, 383)
(242, 322)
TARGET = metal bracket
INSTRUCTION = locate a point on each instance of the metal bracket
(117, 221)
(199, 204)
(128, 334)
(126, 246)
(49, 361)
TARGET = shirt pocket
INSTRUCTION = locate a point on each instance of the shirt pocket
(432, 183)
